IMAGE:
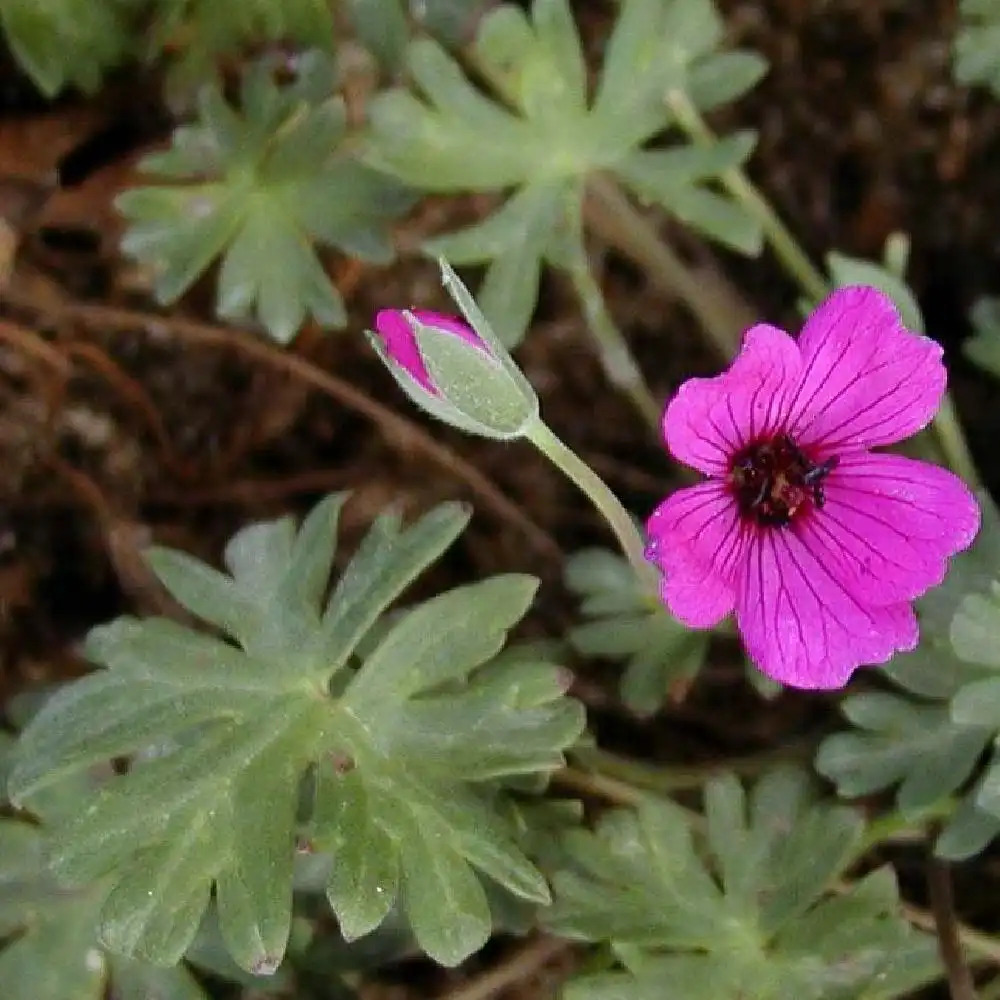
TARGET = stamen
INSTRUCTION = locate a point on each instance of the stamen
(773, 480)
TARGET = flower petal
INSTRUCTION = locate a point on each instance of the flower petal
(401, 344)
(449, 324)
(710, 419)
(801, 625)
(890, 524)
(697, 540)
(866, 380)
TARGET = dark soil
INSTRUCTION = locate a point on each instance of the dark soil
(120, 424)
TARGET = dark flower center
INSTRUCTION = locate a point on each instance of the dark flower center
(772, 480)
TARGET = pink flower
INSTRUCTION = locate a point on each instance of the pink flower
(401, 343)
(456, 373)
(818, 543)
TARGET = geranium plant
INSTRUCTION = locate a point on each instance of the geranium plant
(280, 776)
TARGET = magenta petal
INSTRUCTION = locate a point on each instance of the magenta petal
(890, 524)
(710, 419)
(401, 344)
(449, 324)
(866, 380)
(805, 628)
(697, 541)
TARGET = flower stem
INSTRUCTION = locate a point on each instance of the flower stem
(895, 825)
(787, 249)
(939, 887)
(800, 268)
(610, 214)
(607, 504)
(616, 357)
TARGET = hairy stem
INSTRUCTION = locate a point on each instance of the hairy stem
(946, 924)
(610, 214)
(607, 504)
(616, 356)
(786, 248)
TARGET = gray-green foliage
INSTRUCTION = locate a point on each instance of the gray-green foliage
(258, 188)
(206, 30)
(545, 135)
(61, 42)
(929, 737)
(385, 26)
(51, 949)
(281, 731)
(75, 42)
(624, 623)
(983, 348)
(753, 916)
(977, 44)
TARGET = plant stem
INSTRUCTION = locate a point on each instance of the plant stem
(949, 942)
(616, 357)
(894, 825)
(607, 504)
(610, 214)
(523, 964)
(800, 268)
(668, 779)
(795, 260)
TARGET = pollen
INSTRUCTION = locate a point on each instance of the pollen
(774, 481)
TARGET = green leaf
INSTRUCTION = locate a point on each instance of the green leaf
(752, 917)
(898, 740)
(660, 654)
(929, 738)
(976, 50)
(64, 42)
(516, 241)
(673, 178)
(386, 562)
(211, 30)
(52, 951)
(542, 138)
(971, 827)
(439, 880)
(404, 742)
(381, 26)
(656, 46)
(443, 639)
(983, 348)
(259, 189)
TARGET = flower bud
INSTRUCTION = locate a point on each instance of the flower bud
(458, 374)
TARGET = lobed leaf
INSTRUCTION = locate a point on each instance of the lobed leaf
(660, 654)
(930, 738)
(261, 187)
(395, 768)
(753, 918)
(542, 138)
(51, 951)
